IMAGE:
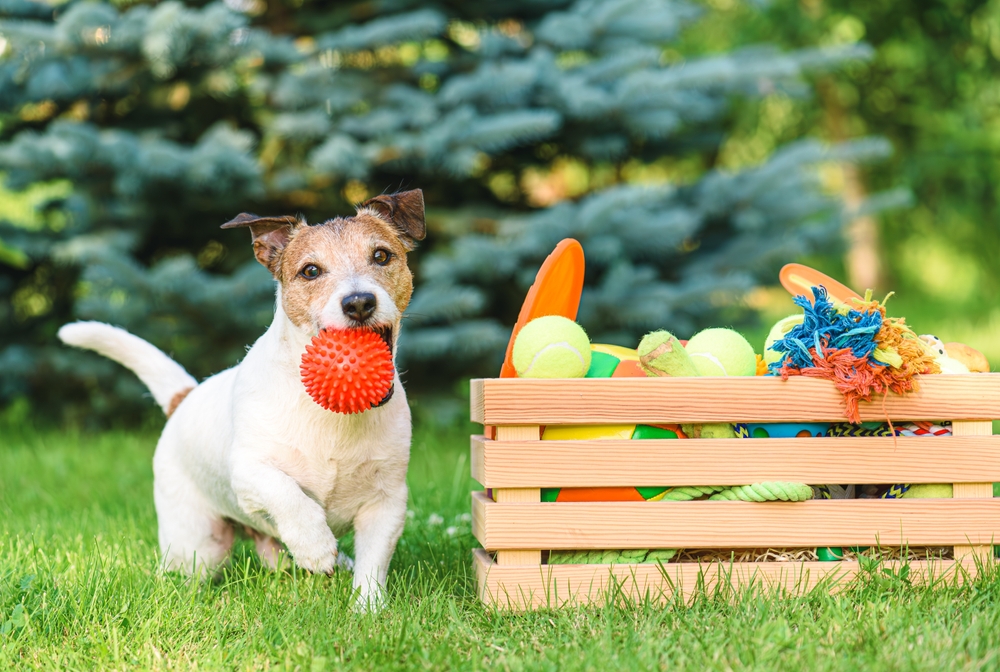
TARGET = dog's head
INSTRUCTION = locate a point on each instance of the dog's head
(348, 272)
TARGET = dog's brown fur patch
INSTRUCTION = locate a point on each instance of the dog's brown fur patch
(176, 400)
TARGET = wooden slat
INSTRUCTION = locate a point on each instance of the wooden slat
(477, 405)
(560, 585)
(555, 464)
(754, 398)
(520, 556)
(981, 428)
(586, 525)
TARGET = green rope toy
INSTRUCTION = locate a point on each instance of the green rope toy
(766, 492)
(757, 492)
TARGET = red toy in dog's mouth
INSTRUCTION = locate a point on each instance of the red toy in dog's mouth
(349, 370)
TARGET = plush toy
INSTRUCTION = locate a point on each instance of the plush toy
(973, 360)
(347, 370)
(552, 347)
(710, 352)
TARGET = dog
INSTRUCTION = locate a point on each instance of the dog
(249, 448)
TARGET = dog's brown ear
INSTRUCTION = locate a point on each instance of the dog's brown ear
(404, 210)
(270, 236)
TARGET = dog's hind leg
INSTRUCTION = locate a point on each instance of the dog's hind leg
(269, 550)
(194, 539)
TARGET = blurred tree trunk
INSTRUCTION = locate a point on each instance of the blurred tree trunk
(862, 260)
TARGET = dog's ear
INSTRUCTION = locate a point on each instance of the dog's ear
(270, 236)
(404, 210)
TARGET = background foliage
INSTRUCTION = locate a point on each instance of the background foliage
(684, 155)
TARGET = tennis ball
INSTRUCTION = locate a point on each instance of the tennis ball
(929, 491)
(778, 332)
(722, 352)
(661, 354)
(552, 347)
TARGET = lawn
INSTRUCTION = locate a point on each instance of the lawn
(79, 589)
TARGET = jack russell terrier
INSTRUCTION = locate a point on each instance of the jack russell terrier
(249, 447)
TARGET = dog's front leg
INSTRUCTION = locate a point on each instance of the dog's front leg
(266, 491)
(377, 527)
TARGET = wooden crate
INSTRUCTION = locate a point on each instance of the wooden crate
(516, 527)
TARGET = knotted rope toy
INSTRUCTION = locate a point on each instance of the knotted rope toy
(860, 349)
(766, 492)
(348, 370)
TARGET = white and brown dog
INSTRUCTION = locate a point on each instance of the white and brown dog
(249, 447)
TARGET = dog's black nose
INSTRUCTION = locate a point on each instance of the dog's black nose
(359, 307)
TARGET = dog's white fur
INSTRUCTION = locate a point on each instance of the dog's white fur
(248, 445)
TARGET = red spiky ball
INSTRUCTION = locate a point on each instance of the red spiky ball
(347, 370)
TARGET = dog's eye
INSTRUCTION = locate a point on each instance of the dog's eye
(382, 257)
(310, 271)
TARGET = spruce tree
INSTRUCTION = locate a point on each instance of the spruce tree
(157, 122)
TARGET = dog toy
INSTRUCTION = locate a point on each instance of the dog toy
(347, 370)
(556, 291)
(778, 332)
(785, 430)
(552, 347)
(661, 354)
(860, 349)
(798, 279)
(624, 557)
(721, 352)
(973, 360)
(765, 492)
(929, 491)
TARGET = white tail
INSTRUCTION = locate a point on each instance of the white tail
(164, 377)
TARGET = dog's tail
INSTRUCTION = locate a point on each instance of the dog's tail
(165, 378)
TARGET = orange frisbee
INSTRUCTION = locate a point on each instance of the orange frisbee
(798, 279)
(556, 291)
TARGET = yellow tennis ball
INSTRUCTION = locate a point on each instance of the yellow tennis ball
(778, 332)
(722, 352)
(929, 491)
(552, 347)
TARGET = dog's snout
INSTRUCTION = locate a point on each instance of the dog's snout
(359, 307)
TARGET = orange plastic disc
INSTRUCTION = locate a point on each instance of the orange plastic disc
(629, 369)
(622, 494)
(798, 279)
(556, 291)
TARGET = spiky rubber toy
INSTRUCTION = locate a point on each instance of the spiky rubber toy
(347, 370)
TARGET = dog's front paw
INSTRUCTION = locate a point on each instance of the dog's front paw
(320, 556)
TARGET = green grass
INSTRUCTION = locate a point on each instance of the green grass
(79, 589)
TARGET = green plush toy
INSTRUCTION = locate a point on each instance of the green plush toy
(712, 352)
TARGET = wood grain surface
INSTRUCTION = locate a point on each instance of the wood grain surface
(526, 434)
(980, 428)
(558, 585)
(497, 401)
(615, 525)
(555, 464)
